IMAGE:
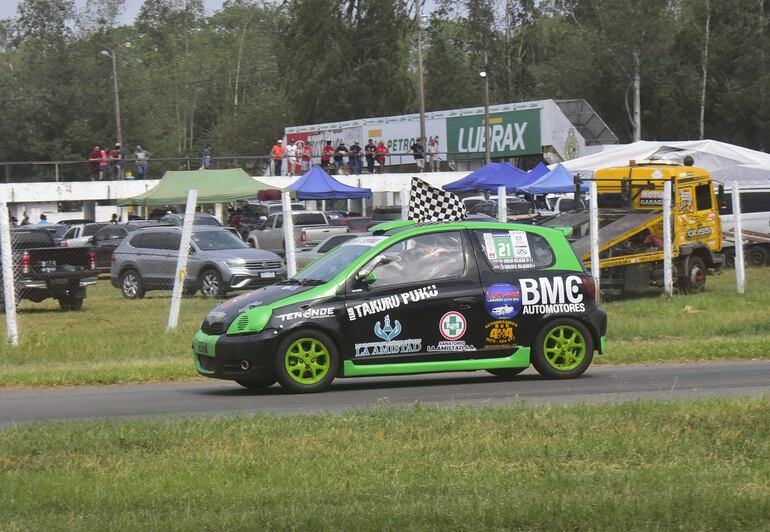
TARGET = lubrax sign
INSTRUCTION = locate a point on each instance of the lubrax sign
(511, 134)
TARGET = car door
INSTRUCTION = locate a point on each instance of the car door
(152, 249)
(425, 305)
(104, 243)
(271, 237)
(521, 287)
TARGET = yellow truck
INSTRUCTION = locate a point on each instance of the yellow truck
(630, 202)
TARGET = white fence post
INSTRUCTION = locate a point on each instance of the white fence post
(740, 271)
(593, 225)
(668, 278)
(404, 203)
(181, 261)
(9, 288)
(502, 204)
(288, 234)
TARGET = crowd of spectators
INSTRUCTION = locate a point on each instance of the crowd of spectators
(105, 165)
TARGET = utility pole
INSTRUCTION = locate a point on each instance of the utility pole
(420, 81)
(117, 98)
(484, 73)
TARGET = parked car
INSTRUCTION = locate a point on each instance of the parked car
(43, 270)
(355, 224)
(219, 262)
(57, 231)
(254, 213)
(107, 239)
(79, 235)
(199, 218)
(310, 228)
(517, 209)
(392, 303)
(385, 213)
(306, 256)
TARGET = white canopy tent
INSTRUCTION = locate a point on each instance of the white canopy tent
(727, 163)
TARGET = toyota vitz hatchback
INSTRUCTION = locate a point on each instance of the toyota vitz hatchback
(411, 299)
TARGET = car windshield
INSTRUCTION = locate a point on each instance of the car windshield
(215, 240)
(331, 264)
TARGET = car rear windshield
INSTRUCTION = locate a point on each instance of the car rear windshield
(206, 220)
(216, 240)
(309, 219)
(90, 229)
(31, 239)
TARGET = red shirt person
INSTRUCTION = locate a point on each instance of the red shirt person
(381, 153)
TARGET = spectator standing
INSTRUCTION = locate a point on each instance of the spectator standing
(117, 160)
(25, 220)
(370, 150)
(291, 157)
(43, 220)
(432, 157)
(93, 162)
(326, 156)
(307, 156)
(277, 153)
(381, 155)
(206, 157)
(114, 218)
(418, 151)
(141, 155)
(104, 163)
(339, 157)
(354, 161)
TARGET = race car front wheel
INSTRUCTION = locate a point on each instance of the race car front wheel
(563, 349)
(306, 361)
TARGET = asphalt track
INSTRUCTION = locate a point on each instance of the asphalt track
(208, 397)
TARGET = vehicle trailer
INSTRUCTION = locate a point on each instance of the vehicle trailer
(630, 202)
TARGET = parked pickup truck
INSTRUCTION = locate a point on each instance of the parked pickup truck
(43, 270)
(310, 228)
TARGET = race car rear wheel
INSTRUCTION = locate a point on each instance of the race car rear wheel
(563, 349)
(306, 361)
(505, 372)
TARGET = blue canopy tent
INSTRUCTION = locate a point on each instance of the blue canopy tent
(538, 171)
(316, 184)
(490, 177)
(557, 180)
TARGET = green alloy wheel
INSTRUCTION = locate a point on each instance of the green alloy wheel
(306, 361)
(563, 349)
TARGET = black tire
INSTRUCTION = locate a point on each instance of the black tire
(757, 256)
(505, 373)
(131, 285)
(292, 366)
(211, 283)
(258, 383)
(564, 356)
(694, 280)
(71, 303)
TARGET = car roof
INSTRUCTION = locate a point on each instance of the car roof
(177, 228)
(397, 226)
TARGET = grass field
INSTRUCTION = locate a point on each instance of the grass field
(115, 340)
(696, 465)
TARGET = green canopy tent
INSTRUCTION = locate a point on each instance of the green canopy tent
(213, 186)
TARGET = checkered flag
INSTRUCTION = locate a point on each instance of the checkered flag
(431, 204)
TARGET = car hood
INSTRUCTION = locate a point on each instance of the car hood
(241, 253)
(230, 309)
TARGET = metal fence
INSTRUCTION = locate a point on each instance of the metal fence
(256, 165)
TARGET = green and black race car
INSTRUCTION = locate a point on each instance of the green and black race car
(413, 298)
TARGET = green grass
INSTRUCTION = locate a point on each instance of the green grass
(696, 465)
(115, 340)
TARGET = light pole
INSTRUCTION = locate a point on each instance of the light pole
(484, 73)
(113, 55)
(420, 81)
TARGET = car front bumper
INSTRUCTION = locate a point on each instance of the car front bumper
(235, 357)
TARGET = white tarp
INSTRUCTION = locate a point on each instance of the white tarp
(728, 163)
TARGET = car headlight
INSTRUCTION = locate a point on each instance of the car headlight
(235, 263)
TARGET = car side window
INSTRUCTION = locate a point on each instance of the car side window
(514, 250)
(421, 258)
(703, 197)
(172, 241)
(269, 222)
(279, 221)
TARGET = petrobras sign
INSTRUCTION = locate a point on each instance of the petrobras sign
(511, 134)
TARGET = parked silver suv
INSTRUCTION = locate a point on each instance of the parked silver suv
(219, 262)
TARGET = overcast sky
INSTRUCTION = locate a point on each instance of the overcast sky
(8, 7)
